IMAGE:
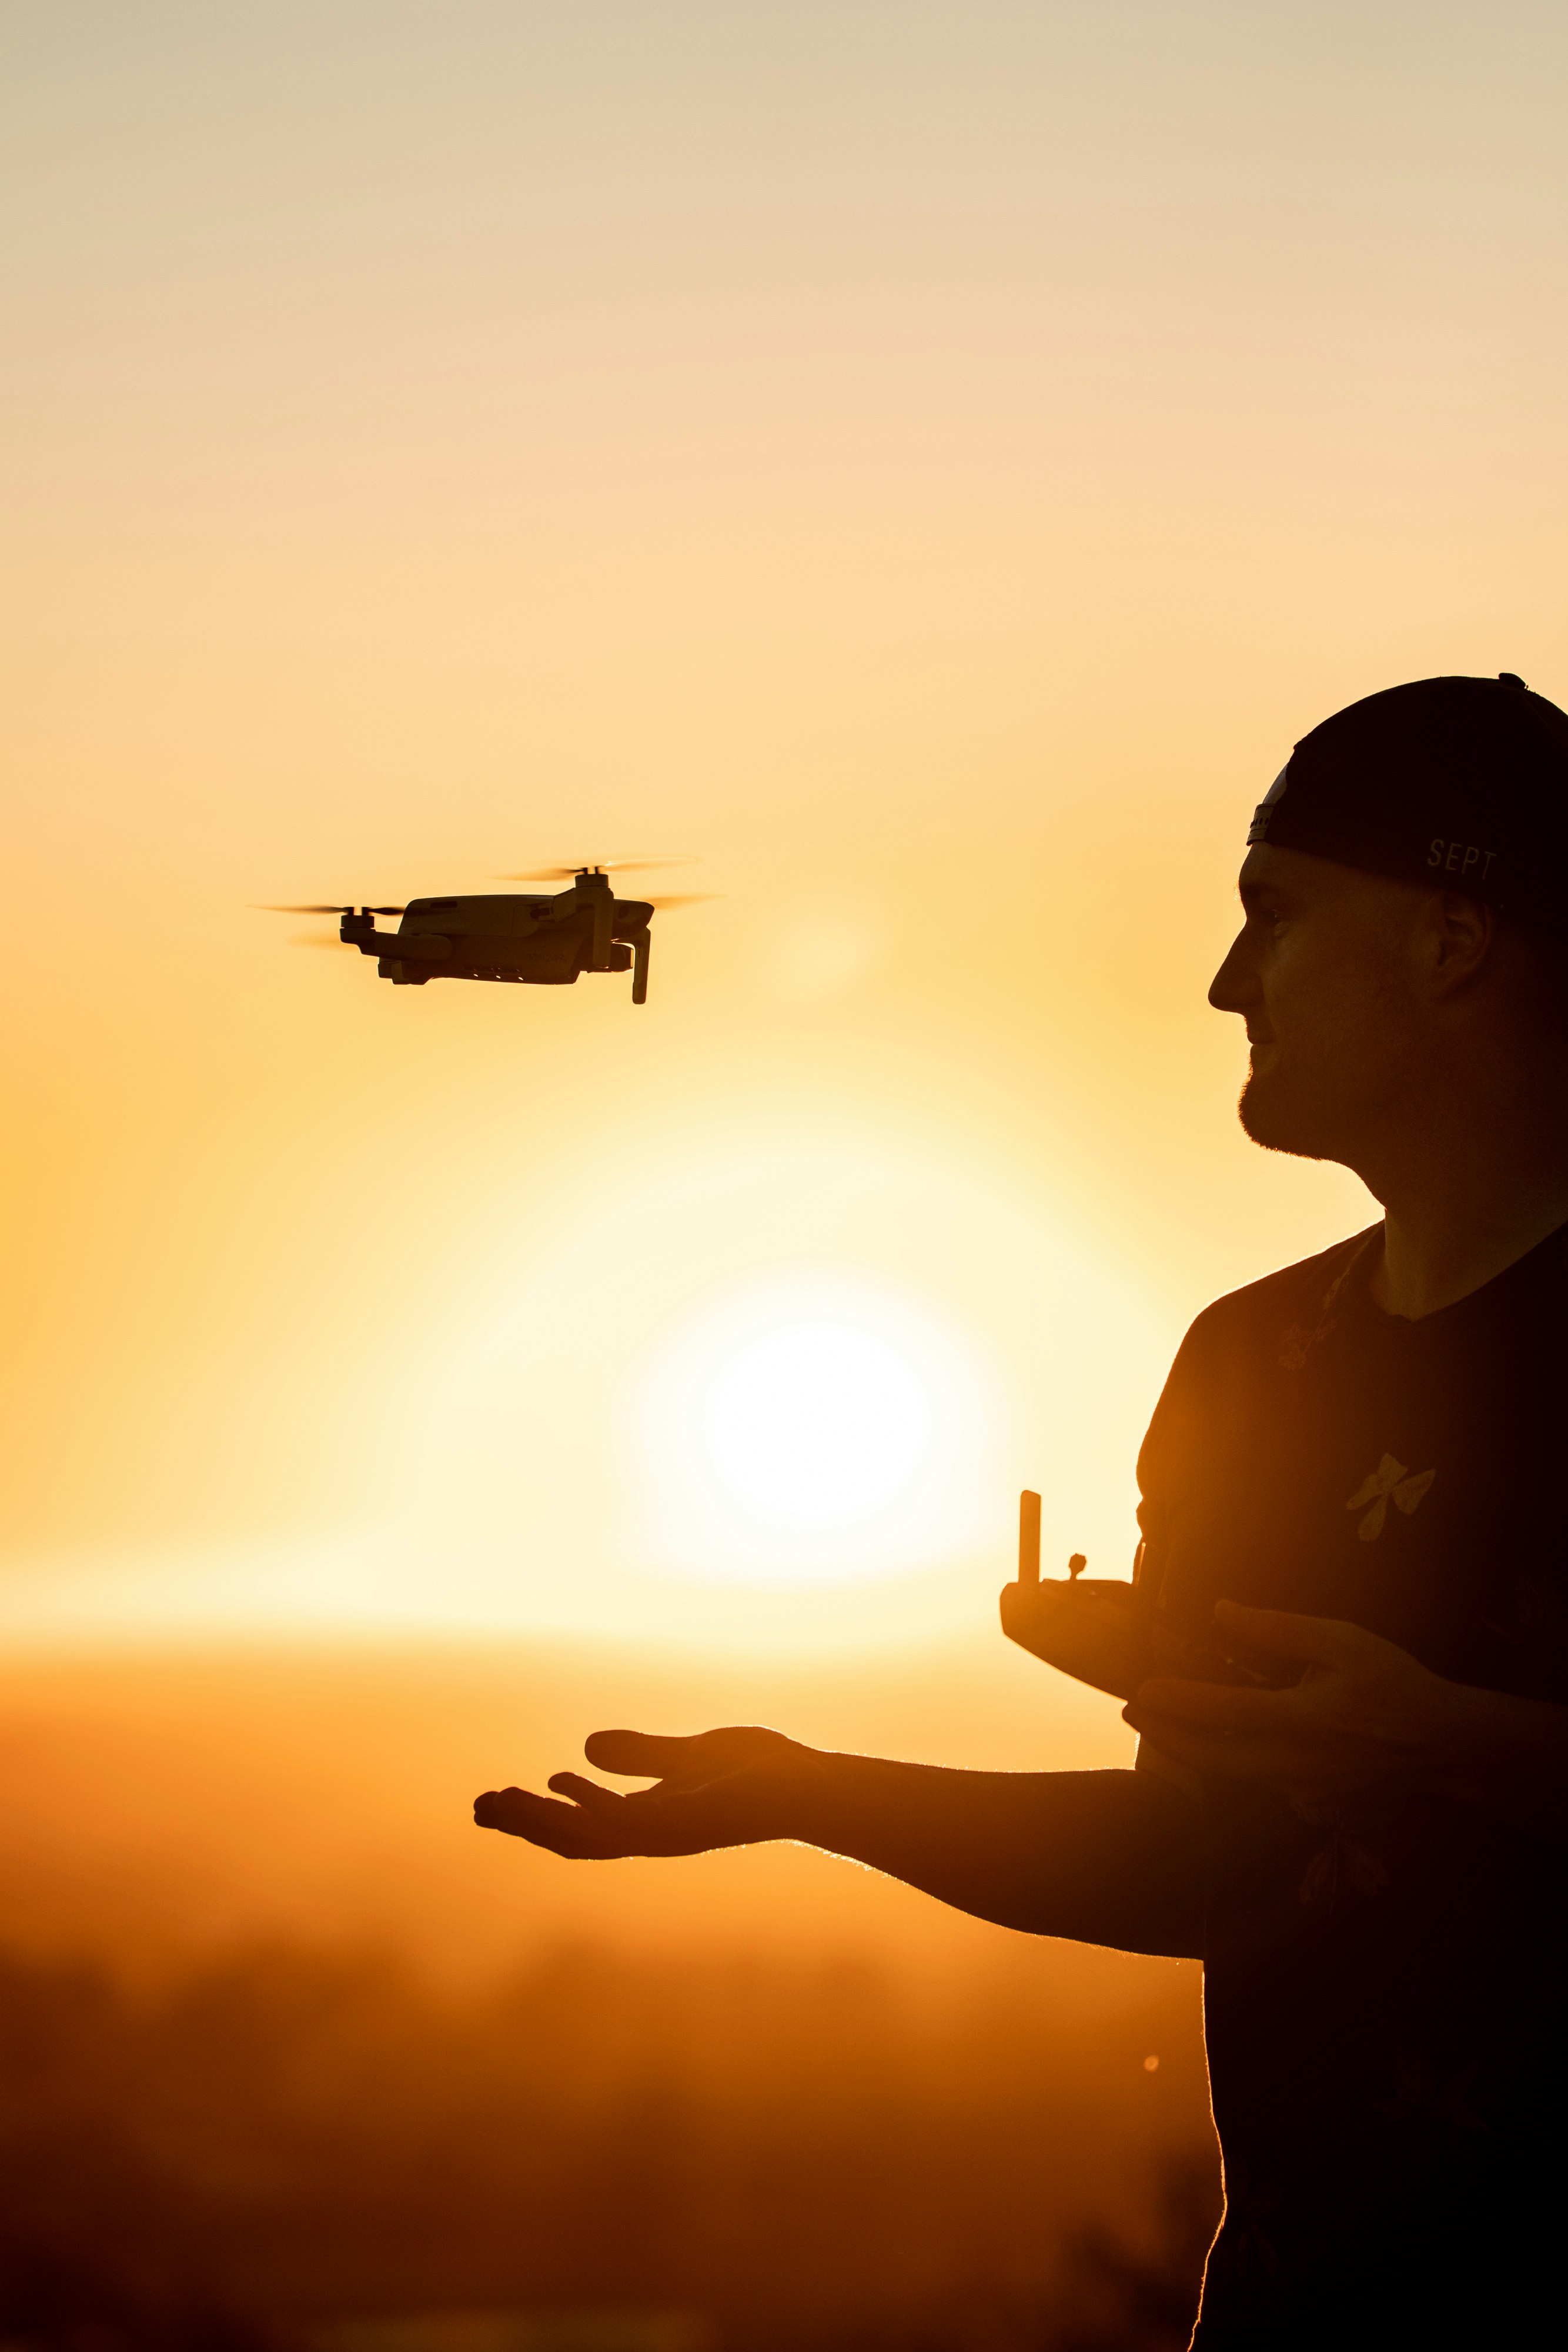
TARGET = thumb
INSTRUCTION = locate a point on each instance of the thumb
(639, 1755)
(1317, 1641)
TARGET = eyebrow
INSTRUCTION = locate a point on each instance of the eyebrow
(1251, 892)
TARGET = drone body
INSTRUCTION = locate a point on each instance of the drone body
(545, 942)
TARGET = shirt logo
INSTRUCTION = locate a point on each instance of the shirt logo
(1390, 1477)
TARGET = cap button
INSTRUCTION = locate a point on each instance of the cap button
(1507, 678)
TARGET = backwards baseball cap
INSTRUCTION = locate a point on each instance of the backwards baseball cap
(1458, 783)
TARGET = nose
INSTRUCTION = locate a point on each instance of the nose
(1234, 988)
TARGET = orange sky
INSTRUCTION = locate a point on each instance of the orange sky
(926, 463)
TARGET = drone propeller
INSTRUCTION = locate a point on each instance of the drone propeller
(594, 865)
(334, 910)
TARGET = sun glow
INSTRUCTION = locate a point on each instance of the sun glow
(762, 1394)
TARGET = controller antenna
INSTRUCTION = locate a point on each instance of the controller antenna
(1029, 1538)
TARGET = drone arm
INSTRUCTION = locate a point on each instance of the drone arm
(640, 946)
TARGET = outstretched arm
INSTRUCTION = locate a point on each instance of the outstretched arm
(1101, 1857)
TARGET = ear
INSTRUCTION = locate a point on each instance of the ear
(1461, 937)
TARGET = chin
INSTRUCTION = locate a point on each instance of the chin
(1272, 1117)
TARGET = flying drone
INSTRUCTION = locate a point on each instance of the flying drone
(545, 942)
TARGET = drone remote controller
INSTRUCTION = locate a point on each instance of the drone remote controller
(1110, 1634)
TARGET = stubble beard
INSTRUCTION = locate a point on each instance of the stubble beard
(1270, 1119)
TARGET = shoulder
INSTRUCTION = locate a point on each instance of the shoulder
(1223, 1365)
(1287, 1313)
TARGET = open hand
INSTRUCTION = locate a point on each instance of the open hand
(715, 1789)
(1365, 1714)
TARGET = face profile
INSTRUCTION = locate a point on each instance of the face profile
(1357, 990)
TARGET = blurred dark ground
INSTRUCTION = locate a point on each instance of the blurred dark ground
(310, 2151)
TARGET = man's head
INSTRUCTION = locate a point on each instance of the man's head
(1402, 933)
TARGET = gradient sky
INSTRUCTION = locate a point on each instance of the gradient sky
(928, 463)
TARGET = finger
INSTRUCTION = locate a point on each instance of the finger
(639, 1755)
(1321, 1641)
(566, 1829)
(1219, 1706)
(493, 1806)
(605, 1803)
(1218, 1756)
(644, 1822)
(699, 1757)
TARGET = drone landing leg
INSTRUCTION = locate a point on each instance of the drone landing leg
(640, 969)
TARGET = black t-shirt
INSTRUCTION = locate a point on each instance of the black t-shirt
(1383, 1990)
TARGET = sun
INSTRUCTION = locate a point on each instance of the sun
(811, 1429)
(816, 1423)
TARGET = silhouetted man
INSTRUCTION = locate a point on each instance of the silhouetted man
(1358, 1463)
